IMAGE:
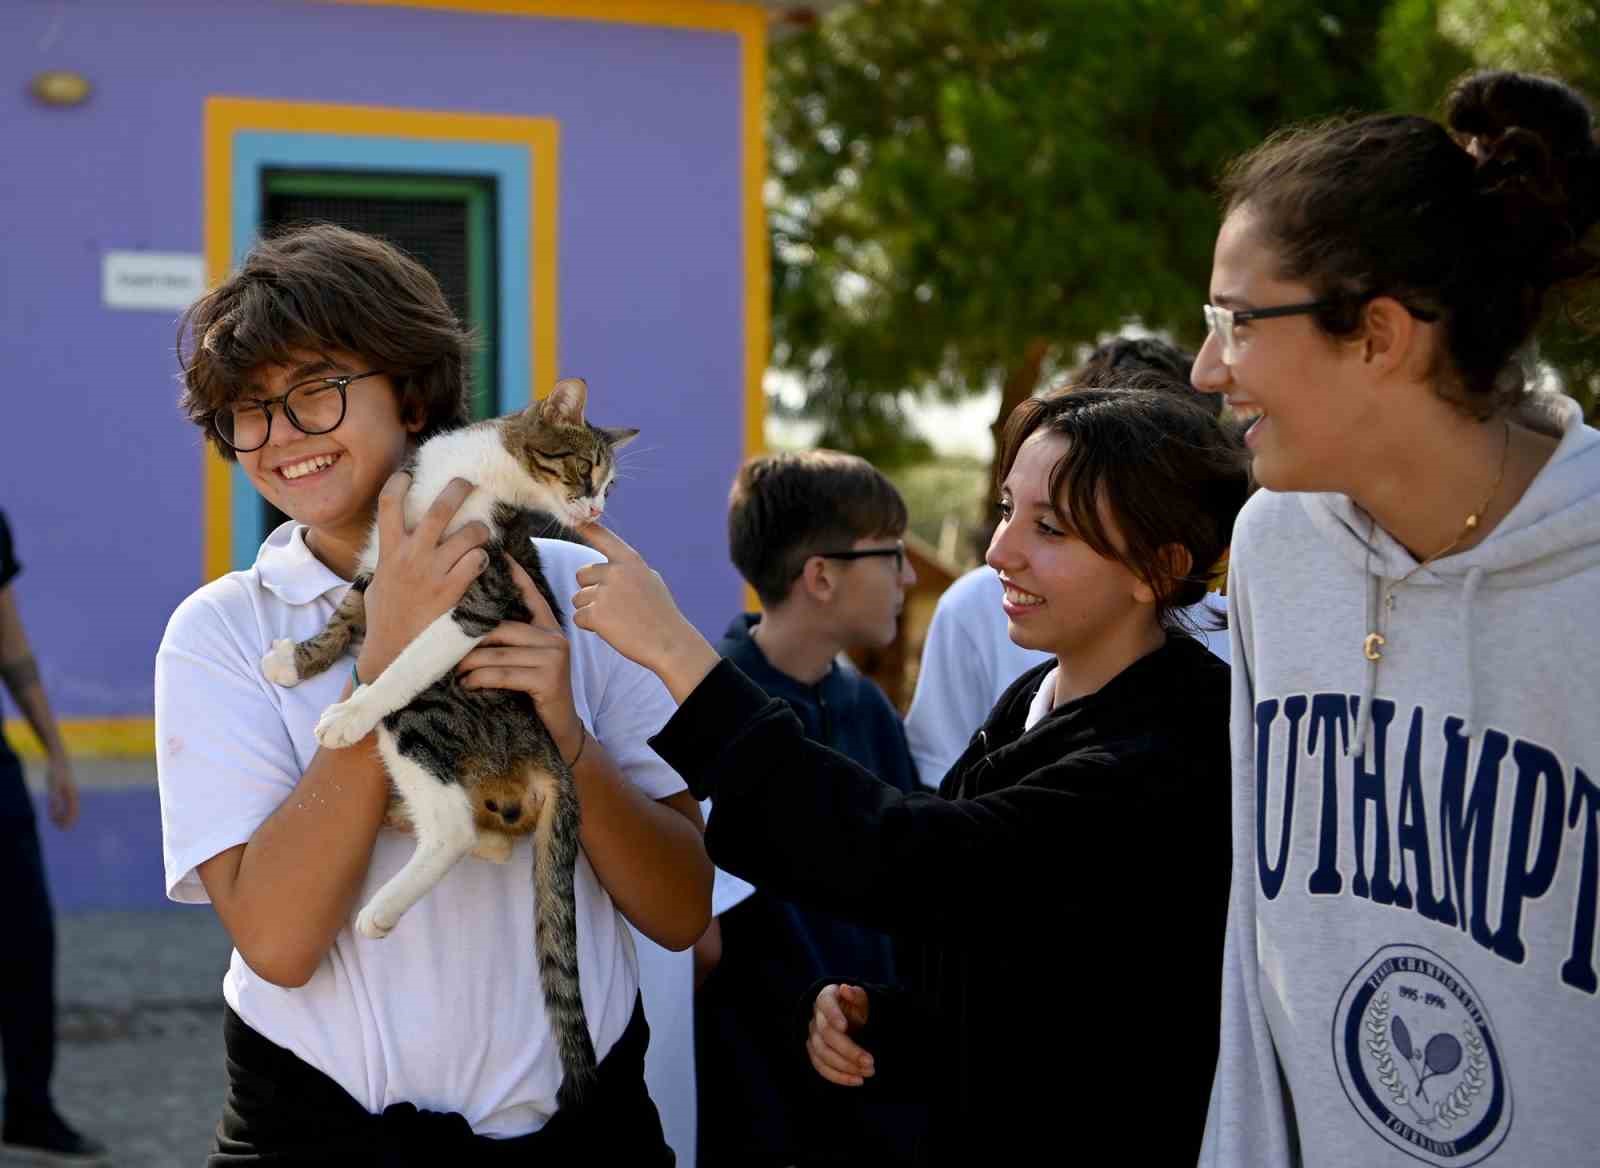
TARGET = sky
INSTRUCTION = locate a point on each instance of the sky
(955, 430)
(960, 430)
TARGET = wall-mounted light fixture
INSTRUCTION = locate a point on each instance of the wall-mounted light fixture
(60, 87)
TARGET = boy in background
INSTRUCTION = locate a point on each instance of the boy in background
(817, 534)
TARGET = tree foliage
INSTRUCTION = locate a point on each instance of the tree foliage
(964, 191)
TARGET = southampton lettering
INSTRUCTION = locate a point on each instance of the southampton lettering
(1439, 856)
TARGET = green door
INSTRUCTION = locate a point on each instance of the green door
(447, 222)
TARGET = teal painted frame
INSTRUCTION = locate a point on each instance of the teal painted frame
(509, 166)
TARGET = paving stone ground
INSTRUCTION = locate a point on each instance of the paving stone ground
(139, 1059)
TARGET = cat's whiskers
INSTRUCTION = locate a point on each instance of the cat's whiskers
(553, 526)
(632, 470)
(630, 456)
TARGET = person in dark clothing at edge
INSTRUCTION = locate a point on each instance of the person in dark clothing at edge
(34, 1131)
(1066, 888)
(817, 534)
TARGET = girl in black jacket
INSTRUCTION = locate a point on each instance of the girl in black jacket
(1065, 890)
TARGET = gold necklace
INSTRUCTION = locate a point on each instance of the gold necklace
(1372, 647)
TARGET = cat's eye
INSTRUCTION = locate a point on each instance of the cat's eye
(490, 805)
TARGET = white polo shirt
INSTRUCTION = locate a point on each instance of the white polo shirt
(446, 1012)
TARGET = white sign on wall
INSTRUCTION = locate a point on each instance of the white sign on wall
(151, 279)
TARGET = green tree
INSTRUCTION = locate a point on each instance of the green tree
(964, 191)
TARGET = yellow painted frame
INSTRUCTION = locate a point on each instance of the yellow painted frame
(89, 737)
(228, 116)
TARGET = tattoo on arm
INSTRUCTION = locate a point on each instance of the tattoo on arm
(19, 674)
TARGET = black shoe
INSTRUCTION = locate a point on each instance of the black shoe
(51, 1141)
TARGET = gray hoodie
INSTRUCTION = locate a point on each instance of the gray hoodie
(1411, 969)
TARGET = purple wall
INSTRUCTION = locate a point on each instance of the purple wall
(99, 474)
(111, 857)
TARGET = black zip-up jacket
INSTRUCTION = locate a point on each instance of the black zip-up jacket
(1065, 892)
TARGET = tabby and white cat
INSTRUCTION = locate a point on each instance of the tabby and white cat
(472, 769)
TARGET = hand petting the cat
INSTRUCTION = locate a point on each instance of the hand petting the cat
(533, 658)
(627, 604)
(420, 576)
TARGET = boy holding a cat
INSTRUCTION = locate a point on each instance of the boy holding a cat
(433, 1041)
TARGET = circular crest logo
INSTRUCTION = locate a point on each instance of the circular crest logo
(1417, 1057)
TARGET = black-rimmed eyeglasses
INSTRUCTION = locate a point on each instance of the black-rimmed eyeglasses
(1222, 321)
(312, 407)
(898, 551)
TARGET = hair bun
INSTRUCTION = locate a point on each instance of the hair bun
(1487, 105)
(1538, 166)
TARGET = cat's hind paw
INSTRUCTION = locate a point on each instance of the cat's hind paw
(278, 666)
(348, 722)
(370, 922)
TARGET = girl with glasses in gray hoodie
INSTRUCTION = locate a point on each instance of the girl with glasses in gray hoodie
(1410, 971)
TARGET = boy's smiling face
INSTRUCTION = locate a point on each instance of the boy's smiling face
(329, 482)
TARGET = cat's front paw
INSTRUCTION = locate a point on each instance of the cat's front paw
(278, 666)
(374, 923)
(348, 722)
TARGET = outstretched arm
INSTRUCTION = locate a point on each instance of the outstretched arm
(648, 853)
(811, 825)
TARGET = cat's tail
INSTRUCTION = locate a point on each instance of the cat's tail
(289, 663)
(556, 931)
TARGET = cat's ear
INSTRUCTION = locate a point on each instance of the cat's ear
(564, 406)
(618, 436)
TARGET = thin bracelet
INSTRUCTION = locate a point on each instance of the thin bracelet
(355, 677)
(582, 742)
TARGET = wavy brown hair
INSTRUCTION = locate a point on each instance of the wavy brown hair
(320, 288)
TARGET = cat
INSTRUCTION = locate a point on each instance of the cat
(473, 769)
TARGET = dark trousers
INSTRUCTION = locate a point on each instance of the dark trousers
(28, 972)
(282, 1112)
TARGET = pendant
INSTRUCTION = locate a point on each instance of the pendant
(1372, 647)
